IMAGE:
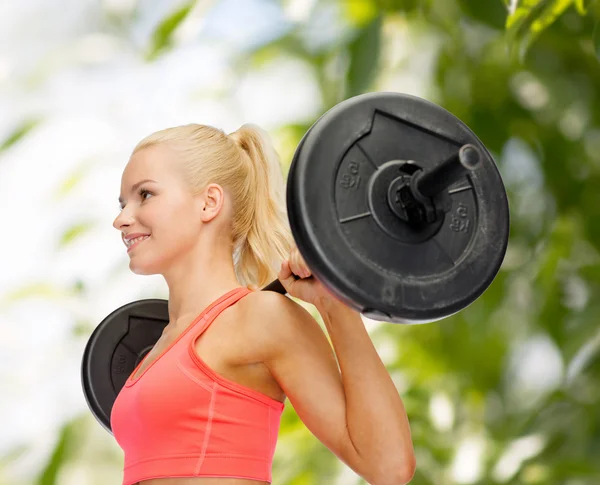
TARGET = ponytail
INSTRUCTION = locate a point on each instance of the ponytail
(268, 240)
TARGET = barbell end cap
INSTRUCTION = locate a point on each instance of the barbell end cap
(469, 156)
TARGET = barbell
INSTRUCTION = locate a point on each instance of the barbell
(395, 205)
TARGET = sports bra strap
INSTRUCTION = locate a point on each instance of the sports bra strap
(218, 306)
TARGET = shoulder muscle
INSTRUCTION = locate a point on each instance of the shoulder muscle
(279, 322)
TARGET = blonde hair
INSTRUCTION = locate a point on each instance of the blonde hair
(246, 164)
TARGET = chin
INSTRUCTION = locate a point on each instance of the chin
(158, 260)
(144, 268)
(141, 271)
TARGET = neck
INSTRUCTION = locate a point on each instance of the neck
(195, 282)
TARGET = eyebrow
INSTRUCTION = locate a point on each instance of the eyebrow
(135, 186)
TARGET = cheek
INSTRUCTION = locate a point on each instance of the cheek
(172, 227)
(163, 218)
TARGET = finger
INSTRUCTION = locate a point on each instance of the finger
(307, 271)
(302, 263)
(286, 276)
(299, 266)
(295, 266)
(285, 271)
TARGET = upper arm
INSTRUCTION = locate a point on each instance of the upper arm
(301, 359)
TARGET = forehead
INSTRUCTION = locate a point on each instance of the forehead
(157, 162)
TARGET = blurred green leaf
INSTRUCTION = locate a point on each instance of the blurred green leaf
(289, 44)
(18, 133)
(531, 17)
(405, 6)
(11, 456)
(59, 456)
(581, 6)
(287, 138)
(591, 273)
(74, 232)
(364, 58)
(163, 34)
(361, 12)
(559, 246)
(552, 11)
(491, 13)
(32, 290)
(72, 180)
(527, 12)
(596, 40)
(551, 277)
(78, 287)
(83, 328)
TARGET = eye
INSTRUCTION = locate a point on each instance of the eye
(143, 193)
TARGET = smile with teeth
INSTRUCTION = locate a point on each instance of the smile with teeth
(132, 242)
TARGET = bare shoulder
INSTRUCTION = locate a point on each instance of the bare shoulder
(279, 321)
(269, 302)
(273, 309)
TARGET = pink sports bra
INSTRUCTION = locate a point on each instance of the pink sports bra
(181, 419)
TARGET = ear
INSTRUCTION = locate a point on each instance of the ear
(212, 200)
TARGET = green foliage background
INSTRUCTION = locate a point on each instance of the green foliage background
(524, 75)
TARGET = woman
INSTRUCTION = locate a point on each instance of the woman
(206, 210)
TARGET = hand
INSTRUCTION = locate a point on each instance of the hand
(307, 288)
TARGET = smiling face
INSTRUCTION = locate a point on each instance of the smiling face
(158, 205)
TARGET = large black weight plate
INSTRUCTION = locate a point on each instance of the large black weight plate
(114, 350)
(357, 247)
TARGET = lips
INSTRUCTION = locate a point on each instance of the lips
(132, 240)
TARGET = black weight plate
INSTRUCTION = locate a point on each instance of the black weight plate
(115, 348)
(357, 247)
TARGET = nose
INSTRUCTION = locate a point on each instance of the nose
(124, 219)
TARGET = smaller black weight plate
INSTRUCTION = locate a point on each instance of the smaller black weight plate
(115, 348)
